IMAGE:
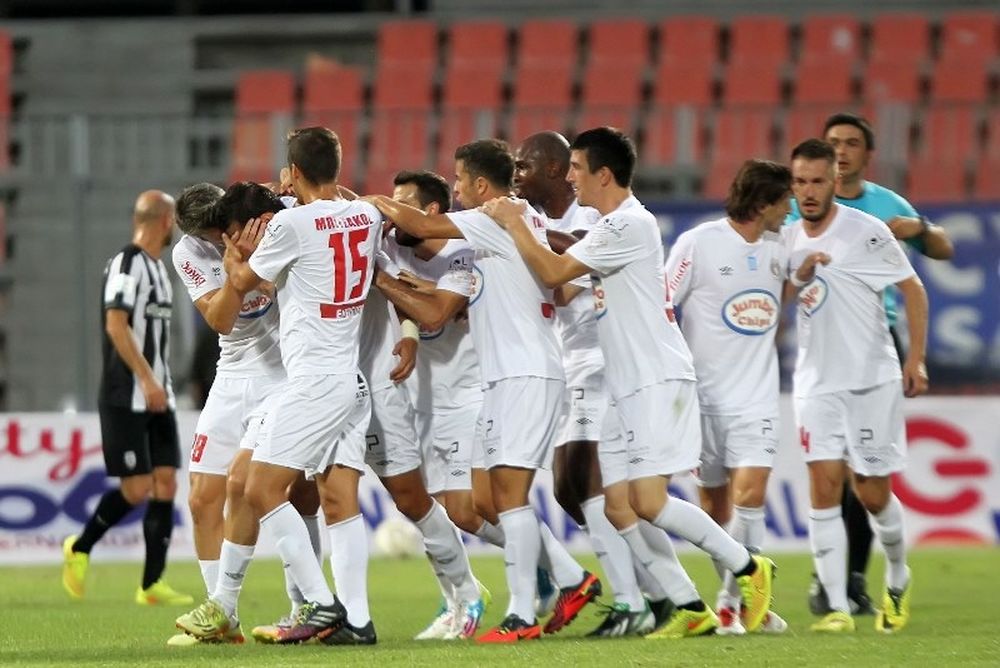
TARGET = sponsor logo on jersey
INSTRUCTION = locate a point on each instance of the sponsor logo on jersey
(726, 270)
(255, 305)
(776, 268)
(679, 274)
(193, 274)
(600, 308)
(812, 296)
(751, 312)
(478, 284)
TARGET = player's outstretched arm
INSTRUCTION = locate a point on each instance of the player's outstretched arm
(552, 269)
(915, 381)
(932, 240)
(414, 221)
(433, 310)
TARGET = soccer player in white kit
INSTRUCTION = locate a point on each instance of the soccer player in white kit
(511, 318)
(649, 370)
(848, 392)
(727, 277)
(321, 257)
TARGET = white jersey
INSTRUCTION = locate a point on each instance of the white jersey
(321, 257)
(511, 312)
(447, 374)
(729, 291)
(251, 349)
(641, 342)
(380, 331)
(576, 323)
(843, 334)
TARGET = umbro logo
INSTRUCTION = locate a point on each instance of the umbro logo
(636, 460)
(584, 420)
(726, 270)
(491, 451)
(457, 474)
(238, 575)
(822, 553)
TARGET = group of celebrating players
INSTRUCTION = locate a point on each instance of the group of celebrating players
(455, 353)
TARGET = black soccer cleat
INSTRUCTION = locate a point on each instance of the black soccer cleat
(819, 604)
(857, 595)
(314, 621)
(345, 634)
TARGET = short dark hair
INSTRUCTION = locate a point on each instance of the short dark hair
(490, 159)
(195, 210)
(316, 152)
(611, 148)
(243, 201)
(814, 149)
(431, 187)
(860, 122)
(758, 183)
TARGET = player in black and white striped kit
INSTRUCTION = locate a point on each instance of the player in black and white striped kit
(136, 403)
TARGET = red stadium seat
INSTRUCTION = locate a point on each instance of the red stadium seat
(687, 84)
(742, 133)
(718, 177)
(402, 88)
(805, 121)
(752, 83)
(969, 36)
(399, 140)
(619, 41)
(689, 40)
(550, 43)
(935, 181)
(542, 99)
(960, 81)
(888, 81)
(987, 181)
(611, 96)
(823, 81)
(758, 39)
(674, 136)
(899, 38)
(260, 96)
(6, 54)
(827, 37)
(408, 43)
(333, 96)
(950, 133)
(481, 44)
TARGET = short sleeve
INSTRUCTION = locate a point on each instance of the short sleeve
(121, 285)
(613, 243)
(278, 249)
(195, 272)
(880, 263)
(679, 268)
(457, 277)
(482, 233)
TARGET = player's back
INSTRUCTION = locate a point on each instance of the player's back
(322, 255)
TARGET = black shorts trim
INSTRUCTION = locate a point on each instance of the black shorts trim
(136, 443)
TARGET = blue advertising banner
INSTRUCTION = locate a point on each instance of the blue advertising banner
(964, 292)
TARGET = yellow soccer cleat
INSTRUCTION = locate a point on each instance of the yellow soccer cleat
(160, 593)
(835, 622)
(231, 637)
(74, 570)
(686, 624)
(757, 593)
(895, 612)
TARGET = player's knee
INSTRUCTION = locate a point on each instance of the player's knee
(236, 488)
(136, 489)
(205, 504)
(464, 517)
(413, 504)
(304, 495)
(643, 506)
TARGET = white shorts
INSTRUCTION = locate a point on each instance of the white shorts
(315, 422)
(612, 452)
(662, 429)
(447, 439)
(864, 427)
(736, 441)
(518, 421)
(583, 411)
(229, 421)
(391, 444)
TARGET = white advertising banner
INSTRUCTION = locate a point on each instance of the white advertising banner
(52, 475)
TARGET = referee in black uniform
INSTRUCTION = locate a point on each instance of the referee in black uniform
(136, 403)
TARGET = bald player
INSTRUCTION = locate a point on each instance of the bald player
(136, 403)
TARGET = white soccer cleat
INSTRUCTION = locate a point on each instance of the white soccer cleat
(773, 624)
(442, 627)
(730, 623)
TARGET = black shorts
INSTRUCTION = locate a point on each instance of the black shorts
(136, 443)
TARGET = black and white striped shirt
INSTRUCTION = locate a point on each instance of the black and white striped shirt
(136, 283)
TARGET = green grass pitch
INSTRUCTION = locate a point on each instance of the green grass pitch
(955, 592)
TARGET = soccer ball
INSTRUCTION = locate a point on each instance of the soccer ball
(398, 538)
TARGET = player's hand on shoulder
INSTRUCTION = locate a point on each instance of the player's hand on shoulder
(505, 210)
(905, 227)
(915, 379)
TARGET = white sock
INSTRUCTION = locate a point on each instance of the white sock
(746, 529)
(662, 563)
(292, 540)
(295, 596)
(828, 542)
(446, 552)
(648, 584)
(563, 568)
(491, 533)
(888, 526)
(209, 573)
(521, 552)
(693, 524)
(349, 561)
(314, 527)
(233, 563)
(613, 553)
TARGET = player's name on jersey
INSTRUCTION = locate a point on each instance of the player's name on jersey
(342, 222)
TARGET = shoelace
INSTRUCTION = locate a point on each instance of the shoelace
(303, 613)
(202, 614)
